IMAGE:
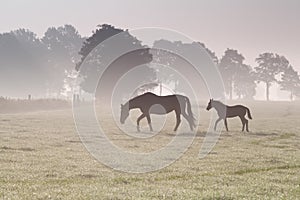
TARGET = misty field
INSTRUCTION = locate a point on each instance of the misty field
(41, 157)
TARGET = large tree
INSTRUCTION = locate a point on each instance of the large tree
(30, 65)
(290, 81)
(21, 59)
(244, 83)
(63, 44)
(230, 65)
(169, 56)
(93, 61)
(269, 66)
(211, 53)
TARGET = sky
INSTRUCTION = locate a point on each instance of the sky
(250, 26)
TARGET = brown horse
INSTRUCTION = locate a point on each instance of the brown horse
(225, 112)
(150, 103)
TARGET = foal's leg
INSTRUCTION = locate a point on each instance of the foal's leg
(138, 121)
(149, 121)
(215, 128)
(225, 122)
(178, 120)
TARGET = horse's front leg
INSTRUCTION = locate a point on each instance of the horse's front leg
(138, 121)
(215, 128)
(149, 121)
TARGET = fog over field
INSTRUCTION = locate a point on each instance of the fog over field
(42, 157)
(149, 99)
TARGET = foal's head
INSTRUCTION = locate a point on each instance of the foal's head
(210, 104)
(124, 113)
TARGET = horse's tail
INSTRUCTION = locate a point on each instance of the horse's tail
(191, 118)
(248, 113)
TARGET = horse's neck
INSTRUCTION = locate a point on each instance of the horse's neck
(133, 103)
(219, 106)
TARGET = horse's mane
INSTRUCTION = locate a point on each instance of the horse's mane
(219, 102)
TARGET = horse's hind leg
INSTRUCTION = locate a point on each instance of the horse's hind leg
(178, 120)
(149, 122)
(247, 129)
(188, 119)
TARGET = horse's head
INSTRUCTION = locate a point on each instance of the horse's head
(209, 105)
(124, 113)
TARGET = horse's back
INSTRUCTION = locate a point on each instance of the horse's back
(169, 102)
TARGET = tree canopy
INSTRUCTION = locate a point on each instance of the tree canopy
(114, 40)
(48, 66)
(270, 65)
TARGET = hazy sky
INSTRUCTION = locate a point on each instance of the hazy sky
(252, 26)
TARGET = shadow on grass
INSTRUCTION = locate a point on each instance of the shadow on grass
(17, 149)
(257, 170)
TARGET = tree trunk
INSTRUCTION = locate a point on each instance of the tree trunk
(267, 91)
(291, 96)
(230, 90)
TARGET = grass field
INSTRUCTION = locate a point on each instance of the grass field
(41, 157)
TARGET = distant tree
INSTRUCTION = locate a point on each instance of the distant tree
(297, 93)
(231, 64)
(31, 43)
(63, 44)
(174, 60)
(270, 65)
(30, 65)
(120, 66)
(21, 59)
(244, 83)
(290, 81)
(103, 32)
(210, 53)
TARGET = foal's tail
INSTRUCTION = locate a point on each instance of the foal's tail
(248, 113)
(191, 118)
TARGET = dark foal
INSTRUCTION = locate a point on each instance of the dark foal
(225, 112)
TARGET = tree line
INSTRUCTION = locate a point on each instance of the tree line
(49, 64)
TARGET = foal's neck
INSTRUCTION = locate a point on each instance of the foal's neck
(219, 105)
